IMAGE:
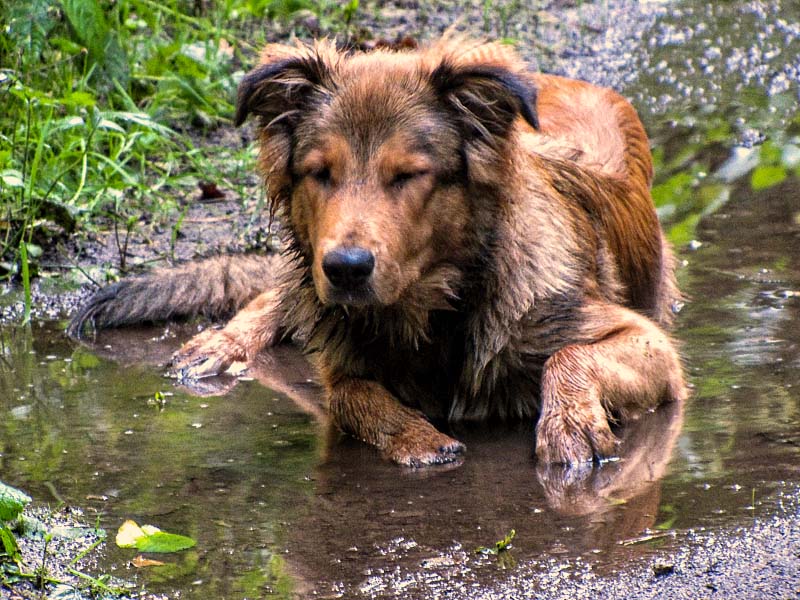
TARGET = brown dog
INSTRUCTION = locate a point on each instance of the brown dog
(467, 240)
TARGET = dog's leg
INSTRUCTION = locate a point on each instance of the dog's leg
(628, 366)
(253, 328)
(369, 412)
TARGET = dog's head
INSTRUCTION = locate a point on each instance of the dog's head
(371, 158)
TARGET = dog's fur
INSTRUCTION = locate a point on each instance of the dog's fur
(519, 267)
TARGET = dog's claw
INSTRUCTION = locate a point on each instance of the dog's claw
(573, 442)
(423, 446)
(207, 354)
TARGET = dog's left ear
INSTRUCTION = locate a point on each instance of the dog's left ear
(486, 98)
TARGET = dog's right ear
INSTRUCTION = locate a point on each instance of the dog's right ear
(487, 98)
(279, 88)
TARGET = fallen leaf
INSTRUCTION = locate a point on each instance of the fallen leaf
(140, 562)
(150, 529)
(149, 538)
(164, 542)
(128, 533)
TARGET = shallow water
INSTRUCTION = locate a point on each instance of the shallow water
(279, 505)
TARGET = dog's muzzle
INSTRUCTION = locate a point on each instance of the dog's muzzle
(348, 268)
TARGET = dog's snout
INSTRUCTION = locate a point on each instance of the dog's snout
(348, 267)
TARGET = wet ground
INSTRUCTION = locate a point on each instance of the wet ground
(703, 503)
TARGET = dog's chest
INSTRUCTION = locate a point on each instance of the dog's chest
(431, 376)
(424, 375)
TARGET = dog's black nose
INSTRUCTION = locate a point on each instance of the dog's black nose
(348, 267)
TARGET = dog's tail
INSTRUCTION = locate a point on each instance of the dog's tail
(215, 287)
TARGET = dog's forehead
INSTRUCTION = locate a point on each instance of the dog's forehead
(377, 97)
(380, 87)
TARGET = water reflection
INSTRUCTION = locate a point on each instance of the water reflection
(740, 332)
(226, 471)
(366, 513)
(251, 473)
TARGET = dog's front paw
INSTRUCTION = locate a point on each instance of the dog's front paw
(421, 444)
(207, 354)
(575, 437)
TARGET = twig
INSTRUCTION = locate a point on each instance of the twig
(646, 538)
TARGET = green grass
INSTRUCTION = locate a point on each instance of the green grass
(102, 102)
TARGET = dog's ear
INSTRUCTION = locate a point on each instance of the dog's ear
(486, 98)
(278, 89)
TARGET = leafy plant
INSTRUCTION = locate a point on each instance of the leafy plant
(51, 572)
(9, 550)
(697, 163)
(12, 501)
(91, 28)
(103, 101)
(500, 546)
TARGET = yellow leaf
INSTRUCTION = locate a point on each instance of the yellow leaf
(150, 529)
(128, 533)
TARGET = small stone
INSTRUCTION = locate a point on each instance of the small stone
(661, 569)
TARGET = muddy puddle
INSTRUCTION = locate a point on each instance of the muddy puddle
(282, 507)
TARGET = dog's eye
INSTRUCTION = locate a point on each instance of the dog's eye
(321, 176)
(402, 178)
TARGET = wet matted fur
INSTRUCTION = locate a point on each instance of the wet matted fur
(467, 240)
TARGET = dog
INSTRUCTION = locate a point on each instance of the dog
(466, 240)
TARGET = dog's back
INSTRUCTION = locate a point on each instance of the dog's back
(599, 130)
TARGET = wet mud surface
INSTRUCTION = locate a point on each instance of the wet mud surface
(703, 502)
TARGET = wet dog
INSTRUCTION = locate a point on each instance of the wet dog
(466, 240)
